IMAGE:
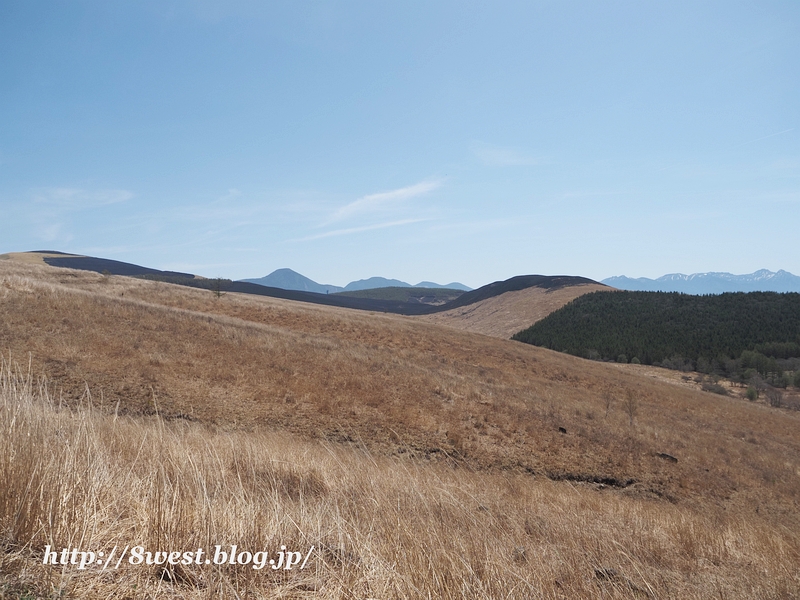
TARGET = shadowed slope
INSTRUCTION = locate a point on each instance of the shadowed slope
(100, 265)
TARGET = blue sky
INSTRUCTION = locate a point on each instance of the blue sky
(441, 141)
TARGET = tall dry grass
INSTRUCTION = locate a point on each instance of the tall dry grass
(394, 385)
(382, 527)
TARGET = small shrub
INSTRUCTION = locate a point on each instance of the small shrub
(217, 287)
(751, 394)
(749, 374)
(622, 359)
(714, 388)
(676, 363)
(635, 361)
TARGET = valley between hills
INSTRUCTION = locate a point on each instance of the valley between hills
(422, 456)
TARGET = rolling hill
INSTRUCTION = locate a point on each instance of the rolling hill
(401, 452)
(418, 295)
(102, 265)
(391, 301)
(507, 313)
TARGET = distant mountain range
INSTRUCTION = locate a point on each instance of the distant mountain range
(287, 279)
(710, 283)
(412, 304)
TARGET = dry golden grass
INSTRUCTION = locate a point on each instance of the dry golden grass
(424, 461)
(383, 527)
(696, 381)
(31, 258)
(504, 315)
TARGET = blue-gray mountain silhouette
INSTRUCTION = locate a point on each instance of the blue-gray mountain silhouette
(710, 283)
(287, 279)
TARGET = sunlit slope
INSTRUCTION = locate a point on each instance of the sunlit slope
(394, 385)
(504, 315)
(375, 526)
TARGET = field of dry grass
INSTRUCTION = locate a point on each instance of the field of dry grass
(504, 315)
(419, 460)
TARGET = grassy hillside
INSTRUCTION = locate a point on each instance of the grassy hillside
(514, 284)
(418, 460)
(432, 296)
(394, 301)
(505, 314)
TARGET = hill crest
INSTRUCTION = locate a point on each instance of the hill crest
(520, 282)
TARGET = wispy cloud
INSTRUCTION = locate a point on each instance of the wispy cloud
(50, 215)
(375, 202)
(497, 156)
(53, 232)
(77, 199)
(351, 230)
(764, 137)
(232, 194)
(481, 225)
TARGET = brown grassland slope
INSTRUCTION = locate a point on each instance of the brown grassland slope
(418, 460)
(504, 315)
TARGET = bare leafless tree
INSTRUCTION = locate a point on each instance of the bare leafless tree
(774, 397)
(631, 405)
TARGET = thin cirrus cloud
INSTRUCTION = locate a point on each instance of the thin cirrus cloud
(77, 199)
(53, 232)
(382, 201)
(350, 230)
(765, 137)
(49, 209)
(497, 156)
